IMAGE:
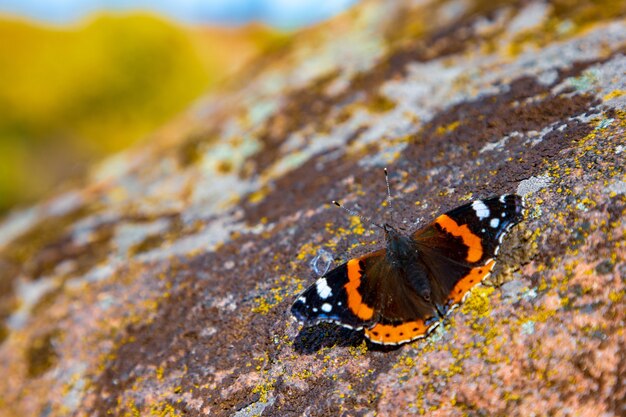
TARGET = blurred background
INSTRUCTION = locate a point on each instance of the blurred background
(81, 79)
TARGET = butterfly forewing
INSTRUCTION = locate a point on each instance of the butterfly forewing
(459, 247)
(337, 296)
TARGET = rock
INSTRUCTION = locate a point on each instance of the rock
(162, 286)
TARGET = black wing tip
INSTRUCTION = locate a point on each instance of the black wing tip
(513, 200)
(298, 310)
(520, 205)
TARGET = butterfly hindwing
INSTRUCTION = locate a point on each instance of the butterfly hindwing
(401, 314)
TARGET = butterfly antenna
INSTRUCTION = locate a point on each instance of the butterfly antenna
(388, 195)
(364, 219)
(388, 188)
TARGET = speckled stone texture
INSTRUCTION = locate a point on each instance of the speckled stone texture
(162, 286)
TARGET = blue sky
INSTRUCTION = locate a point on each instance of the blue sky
(282, 13)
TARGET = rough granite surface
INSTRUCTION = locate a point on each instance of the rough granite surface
(162, 286)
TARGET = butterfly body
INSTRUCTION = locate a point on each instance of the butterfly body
(400, 293)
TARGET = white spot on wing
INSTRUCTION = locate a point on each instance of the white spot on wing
(326, 307)
(323, 290)
(482, 211)
(503, 198)
(494, 222)
(302, 299)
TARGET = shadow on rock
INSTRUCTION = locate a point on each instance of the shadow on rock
(313, 338)
(375, 347)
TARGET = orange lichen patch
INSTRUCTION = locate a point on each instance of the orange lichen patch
(355, 301)
(390, 334)
(475, 248)
(475, 276)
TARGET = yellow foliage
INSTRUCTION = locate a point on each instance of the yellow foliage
(101, 84)
(71, 95)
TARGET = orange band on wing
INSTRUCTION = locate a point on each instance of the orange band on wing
(475, 276)
(355, 301)
(474, 247)
(390, 334)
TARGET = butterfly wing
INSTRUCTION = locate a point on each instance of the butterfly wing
(459, 247)
(337, 296)
(367, 292)
(401, 314)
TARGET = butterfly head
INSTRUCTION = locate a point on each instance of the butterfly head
(399, 245)
(389, 229)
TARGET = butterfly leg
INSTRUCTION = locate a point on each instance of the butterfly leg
(441, 310)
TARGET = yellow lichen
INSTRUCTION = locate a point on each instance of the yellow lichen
(163, 409)
(277, 295)
(441, 130)
(264, 389)
(306, 251)
(617, 296)
(356, 225)
(304, 374)
(478, 301)
(132, 409)
(359, 350)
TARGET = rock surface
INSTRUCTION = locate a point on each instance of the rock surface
(162, 286)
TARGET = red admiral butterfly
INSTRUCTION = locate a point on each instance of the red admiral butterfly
(400, 293)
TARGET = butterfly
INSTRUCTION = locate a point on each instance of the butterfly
(400, 293)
